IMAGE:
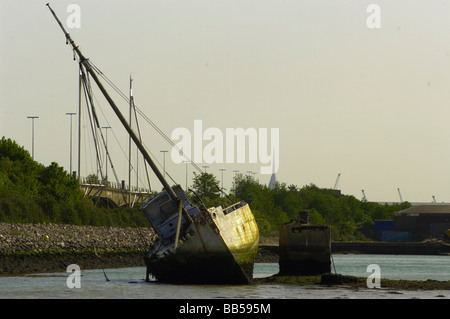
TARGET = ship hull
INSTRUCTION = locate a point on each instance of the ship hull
(219, 247)
(203, 268)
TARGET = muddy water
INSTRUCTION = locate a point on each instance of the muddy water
(128, 283)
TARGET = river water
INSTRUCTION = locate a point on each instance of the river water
(128, 283)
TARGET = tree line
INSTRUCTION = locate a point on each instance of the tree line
(33, 193)
(348, 217)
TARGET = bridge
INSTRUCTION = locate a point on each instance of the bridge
(113, 196)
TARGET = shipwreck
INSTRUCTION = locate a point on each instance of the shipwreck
(195, 245)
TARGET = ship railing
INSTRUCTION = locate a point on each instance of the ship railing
(234, 207)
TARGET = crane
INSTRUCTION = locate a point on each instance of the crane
(364, 195)
(337, 181)
(400, 194)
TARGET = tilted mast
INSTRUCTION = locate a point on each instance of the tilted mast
(85, 63)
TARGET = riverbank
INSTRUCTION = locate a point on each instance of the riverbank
(354, 283)
(32, 248)
(392, 248)
(35, 238)
(269, 253)
(16, 264)
(41, 248)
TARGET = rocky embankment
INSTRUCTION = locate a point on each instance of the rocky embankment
(15, 238)
(27, 248)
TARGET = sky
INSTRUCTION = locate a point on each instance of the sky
(369, 103)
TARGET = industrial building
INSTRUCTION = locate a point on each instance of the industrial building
(423, 221)
(416, 223)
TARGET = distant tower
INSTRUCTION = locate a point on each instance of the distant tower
(273, 179)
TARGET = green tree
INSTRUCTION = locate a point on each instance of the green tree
(18, 169)
(92, 179)
(262, 200)
(60, 194)
(315, 218)
(244, 187)
(205, 187)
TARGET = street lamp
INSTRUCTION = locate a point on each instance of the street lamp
(222, 170)
(71, 114)
(164, 162)
(186, 162)
(32, 133)
(205, 167)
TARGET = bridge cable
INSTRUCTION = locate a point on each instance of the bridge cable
(149, 121)
(145, 117)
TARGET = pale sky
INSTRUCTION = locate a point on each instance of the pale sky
(370, 104)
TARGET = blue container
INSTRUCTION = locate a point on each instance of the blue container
(384, 225)
(396, 236)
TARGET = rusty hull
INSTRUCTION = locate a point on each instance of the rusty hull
(219, 247)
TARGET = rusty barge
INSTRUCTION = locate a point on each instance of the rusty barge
(195, 245)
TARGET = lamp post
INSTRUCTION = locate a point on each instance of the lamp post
(71, 114)
(32, 133)
(186, 163)
(222, 170)
(205, 167)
